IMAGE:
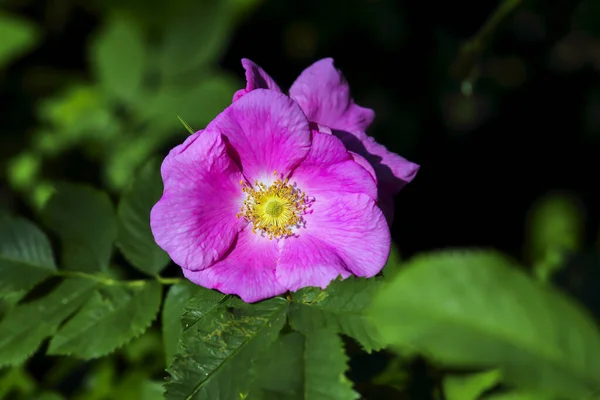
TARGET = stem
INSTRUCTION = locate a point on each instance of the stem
(168, 281)
(463, 67)
(115, 282)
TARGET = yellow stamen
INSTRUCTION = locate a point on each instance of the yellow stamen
(273, 210)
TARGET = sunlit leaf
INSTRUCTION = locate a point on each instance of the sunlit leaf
(84, 220)
(27, 325)
(119, 56)
(176, 299)
(135, 238)
(473, 309)
(18, 36)
(470, 386)
(25, 256)
(113, 316)
(341, 307)
(222, 338)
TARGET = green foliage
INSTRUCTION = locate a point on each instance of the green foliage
(475, 309)
(25, 326)
(18, 36)
(85, 221)
(112, 316)
(119, 58)
(135, 239)
(25, 256)
(471, 386)
(221, 339)
(175, 302)
(341, 307)
(555, 230)
(308, 366)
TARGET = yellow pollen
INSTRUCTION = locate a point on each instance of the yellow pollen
(273, 210)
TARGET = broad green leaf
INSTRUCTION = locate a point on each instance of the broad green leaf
(135, 238)
(308, 367)
(341, 307)
(473, 309)
(196, 38)
(25, 256)
(176, 299)
(84, 220)
(136, 385)
(221, 340)
(118, 57)
(27, 325)
(18, 36)
(393, 264)
(555, 228)
(471, 386)
(16, 380)
(112, 317)
(518, 395)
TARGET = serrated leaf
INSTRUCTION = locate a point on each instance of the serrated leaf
(177, 297)
(308, 367)
(85, 221)
(25, 256)
(27, 325)
(112, 317)
(221, 340)
(341, 307)
(135, 239)
(471, 386)
(18, 36)
(474, 309)
(197, 38)
(119, 58)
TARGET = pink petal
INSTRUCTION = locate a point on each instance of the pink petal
(256, 78)
(194, 221)
(352, 226)
(329, 167)
(308, 261)
(360, 160)
(324, 95)
(248, 270)
(267, 131)
(393, 171)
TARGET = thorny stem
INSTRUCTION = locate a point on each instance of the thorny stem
(116, 282)
(464, 67)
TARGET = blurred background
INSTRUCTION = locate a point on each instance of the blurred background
(506, 130)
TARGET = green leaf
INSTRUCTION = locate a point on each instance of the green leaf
(471, 386)
(18, 36)
(197, 38)
(473, 309)
(25, 256)
(84, 220)
(518, 395)
(186, 125)
(119, 58)
(27, 325)
(307, 367)
(341, 307)
(393, 264)
(135, 239)
(176, 299)
(555, 228)
(112, 317)
(221, 340)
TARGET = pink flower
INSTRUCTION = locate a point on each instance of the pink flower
(324, 96)
(259, 203)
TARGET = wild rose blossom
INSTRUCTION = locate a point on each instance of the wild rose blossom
(323, 94)
(266, 200)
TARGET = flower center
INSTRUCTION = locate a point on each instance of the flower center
(273, 210)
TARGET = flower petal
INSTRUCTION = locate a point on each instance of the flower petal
(354, 227)
(194, 221)
(268, 131)
(393, 171)
(248, 270)
(256, 78)
(324, 95)
(329, 167)
(308, 261)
